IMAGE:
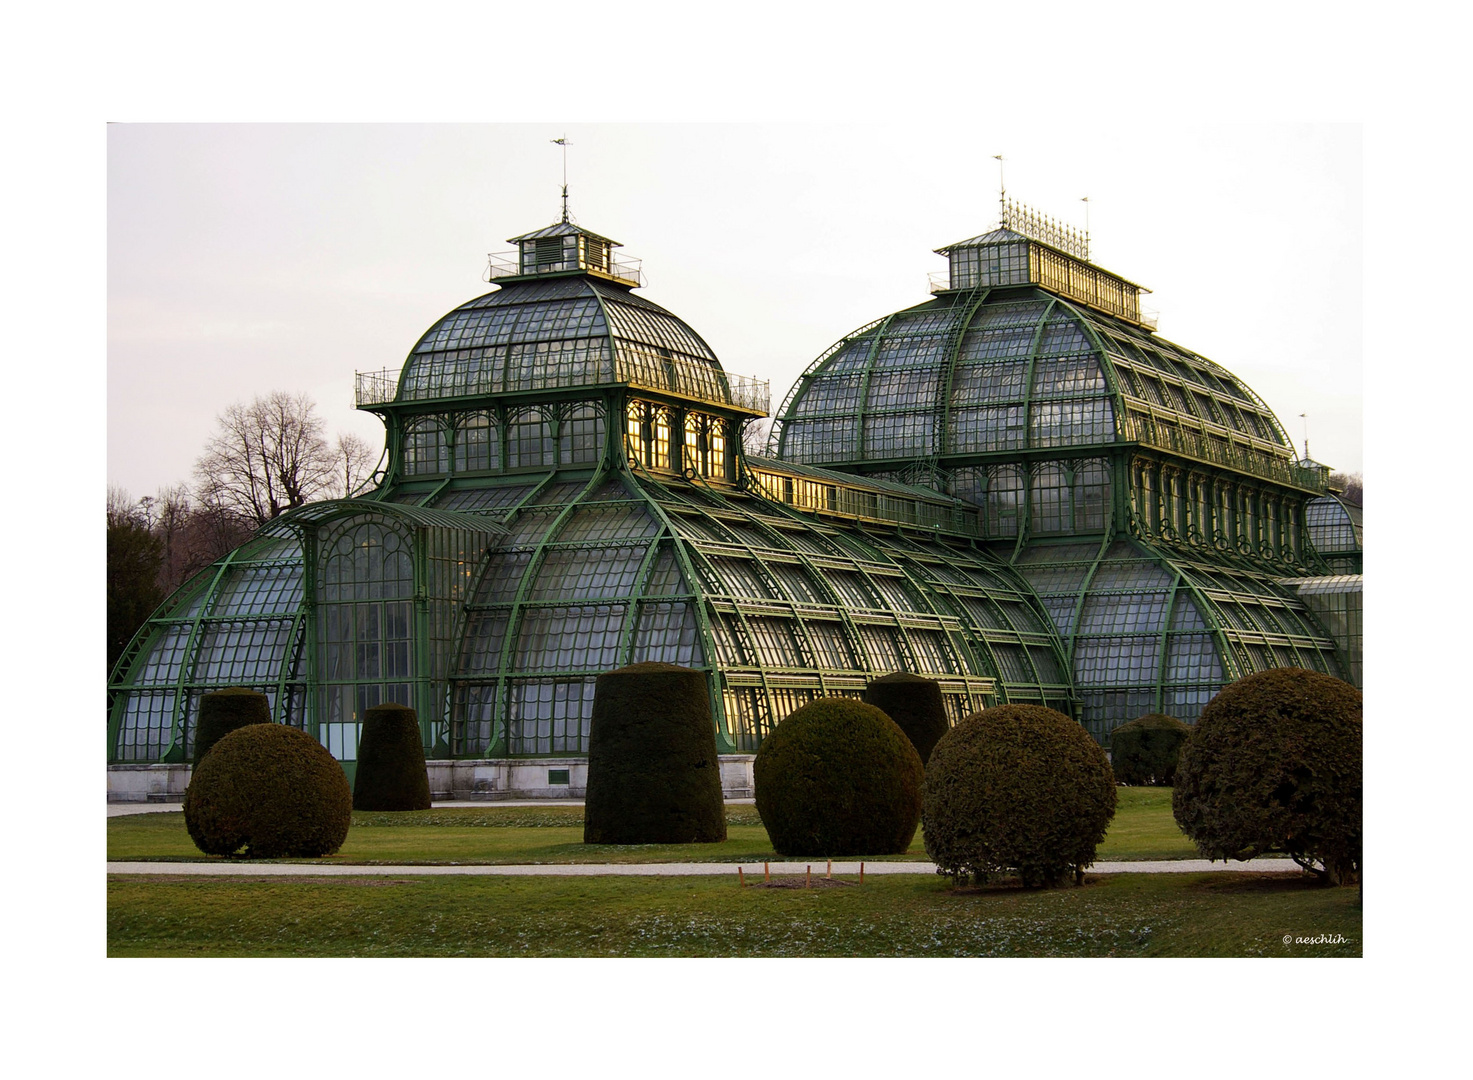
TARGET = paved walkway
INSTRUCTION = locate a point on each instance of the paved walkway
(752, 870)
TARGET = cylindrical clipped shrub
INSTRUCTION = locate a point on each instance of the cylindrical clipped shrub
(1274, 764)
(838, 777)
(391, 773)
(271, 790)
(914, 703)
(1017, 788)
(1143, 752)
(222, 711)
(653, 775)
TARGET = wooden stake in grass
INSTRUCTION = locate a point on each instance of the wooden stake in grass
(830, 871)
(808, 877)
(861, 873)
(766, 876)
(741, 881)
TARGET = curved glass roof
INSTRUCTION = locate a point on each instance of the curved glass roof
(1336, 530)
(537, 585)
(613, 571)
(559, 332)
(1149, 631)
(987, 371)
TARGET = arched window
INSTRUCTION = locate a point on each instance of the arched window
(1049, 500)
(1004, 493)
(705, 445)
(716, 448)
(529, 440)
(1223, 529)
(477, 443)
(648, 434)
(425, 452)
(1091, 496)
(581, 434)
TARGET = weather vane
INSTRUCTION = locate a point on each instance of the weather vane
(1002, 192)
(563, 142)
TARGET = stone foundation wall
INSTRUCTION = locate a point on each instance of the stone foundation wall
(468, 781)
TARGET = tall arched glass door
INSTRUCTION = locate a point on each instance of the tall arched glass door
(365, 630)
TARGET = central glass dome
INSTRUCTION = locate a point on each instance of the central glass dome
(564, 332)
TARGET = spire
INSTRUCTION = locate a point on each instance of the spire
(563, 142)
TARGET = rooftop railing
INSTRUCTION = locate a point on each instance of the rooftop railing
(374, 387)
(502, 264)
(1310, 476)
(706, 382)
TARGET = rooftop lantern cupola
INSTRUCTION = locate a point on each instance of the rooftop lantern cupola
(564, 248)
(1028, 248)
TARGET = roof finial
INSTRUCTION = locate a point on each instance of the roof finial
(1085, 200)
(563, 142)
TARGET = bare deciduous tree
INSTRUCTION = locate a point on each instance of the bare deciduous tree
(355, 459)
(754, 436)
(268, 457)
(1352, 485)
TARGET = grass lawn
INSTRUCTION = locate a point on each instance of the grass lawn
(1143, 829)
(1210, 914)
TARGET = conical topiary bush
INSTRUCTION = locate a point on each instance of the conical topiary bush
(914, 703)
(222, 711)
(391, 772)
(653, 775)
(1144, 752)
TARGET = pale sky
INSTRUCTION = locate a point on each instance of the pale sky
(246, 258)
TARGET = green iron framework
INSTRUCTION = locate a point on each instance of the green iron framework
(1015, 489)
(1150, 497)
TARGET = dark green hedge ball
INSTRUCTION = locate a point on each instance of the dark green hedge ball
(268, 791)
(838, 778)
(1274, 765)
(1017, 788)
(1144, 752)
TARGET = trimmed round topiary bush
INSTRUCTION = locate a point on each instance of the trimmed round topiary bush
(222, 711)
(271, 790)
(1017, 788)
(914, 703)
(391, 773)
(838, 777)
(653, 775)
(1143, 752)
(1274, 764)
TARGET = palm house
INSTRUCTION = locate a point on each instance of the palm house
(1015, 488)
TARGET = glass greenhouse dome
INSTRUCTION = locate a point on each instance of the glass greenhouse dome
(564, 493)
(1151, 499)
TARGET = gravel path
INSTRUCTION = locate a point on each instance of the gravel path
(753, 871)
